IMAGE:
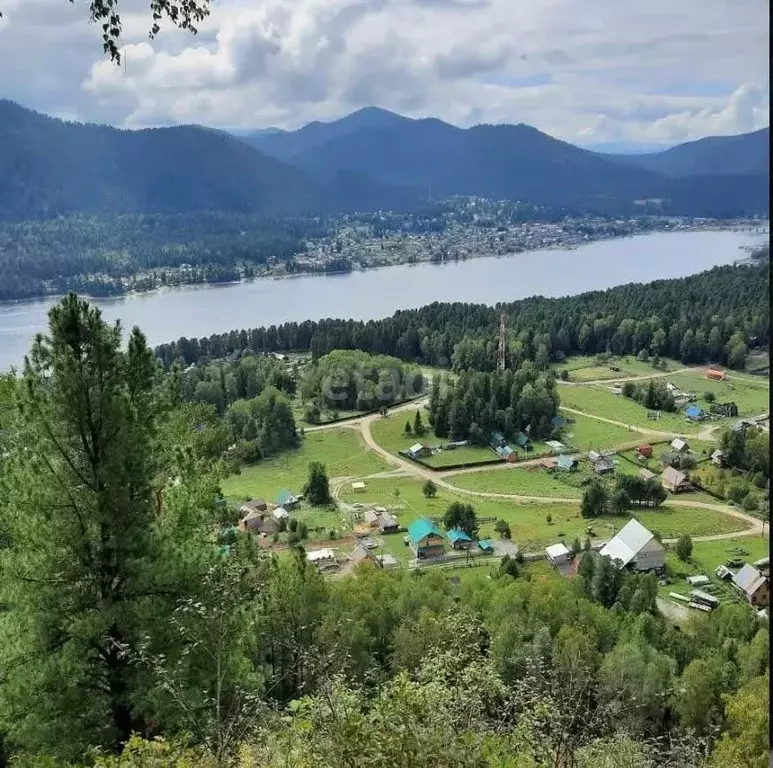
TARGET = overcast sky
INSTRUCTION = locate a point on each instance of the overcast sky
(588, 71)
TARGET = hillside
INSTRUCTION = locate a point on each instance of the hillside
(519, 162)
(284, 144)
(747, 154)
(50, 168)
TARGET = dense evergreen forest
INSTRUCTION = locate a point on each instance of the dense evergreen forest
(480, 402)
(123, 613)
(112, 255)
(713, 316)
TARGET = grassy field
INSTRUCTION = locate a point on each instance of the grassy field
(528, 521)
(521, 481)
(588, 434)
(584, 368)
(390, 434)
(599, 401)
(750, 396)
(706, 556)
(340, 450)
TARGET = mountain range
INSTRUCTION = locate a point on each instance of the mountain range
(368, 160)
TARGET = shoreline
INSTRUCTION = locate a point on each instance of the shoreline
(270, 274)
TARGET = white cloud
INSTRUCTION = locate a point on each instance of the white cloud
(583, 70)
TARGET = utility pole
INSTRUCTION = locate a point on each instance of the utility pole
(502, 342)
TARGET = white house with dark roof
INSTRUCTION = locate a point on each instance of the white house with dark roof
(635, 548)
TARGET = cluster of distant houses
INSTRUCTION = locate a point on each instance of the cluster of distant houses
(262, 517)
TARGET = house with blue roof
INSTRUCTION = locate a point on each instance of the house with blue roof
(459, 539)
(287, 500)
(425, 538)
(486, 545)
(694, 413)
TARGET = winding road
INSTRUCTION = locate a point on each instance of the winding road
(405, 468)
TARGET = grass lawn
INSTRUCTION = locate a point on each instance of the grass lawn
(584, 368)
(528, 521)
(521, 481)
(468, 454)
(340, 450)
(588, 434)
(390, 434)
(750, 396)
(706, 556)
(596, 399)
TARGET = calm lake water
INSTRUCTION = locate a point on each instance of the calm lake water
(196, 311)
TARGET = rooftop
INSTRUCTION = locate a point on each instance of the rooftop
(630, 540)
(456, 535)
(422, 528)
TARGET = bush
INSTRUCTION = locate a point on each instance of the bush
(429, 489)
(750, 503)
(684, 547)
(737, 490)
(709, 397)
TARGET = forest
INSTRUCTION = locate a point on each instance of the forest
(111, 255)
(131, 636)
(479, 402)
(714, 316)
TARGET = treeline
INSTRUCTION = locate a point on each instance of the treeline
(480, 402)
(110, 255)
(357, 381)
(125, 610)
(713, 316)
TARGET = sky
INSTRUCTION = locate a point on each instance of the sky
(586, 71)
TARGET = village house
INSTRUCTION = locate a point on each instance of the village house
(459, 539)
(360, 554)
(724, 409)
(323, 559)
(603, 465)
(254, 505)
(486, 545)
(716, 375)
(371, 518)
(425, 539)
(387, 523)
(645, 474)
(258, 522)
(753, 584)
(555, 446)
(635, 548)
(280, 513)
(675, 481)
(566, 463)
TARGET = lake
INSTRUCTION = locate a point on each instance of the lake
(201, 310)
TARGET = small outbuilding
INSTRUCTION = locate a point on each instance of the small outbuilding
(555, 446)
(459, 539)
(645, 474)
(253, 505)
(486, 545)
(694, 413)
(715, 374)
(603, 466)
(418, 451)
(644, 451)
(358, 486)
(280, 513)
(679, 445)
(718, 458)
(558, 554)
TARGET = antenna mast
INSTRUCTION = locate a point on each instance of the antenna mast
(502, 342)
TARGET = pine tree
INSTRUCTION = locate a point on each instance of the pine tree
(317, 488)
(418, 427)
(85, 574)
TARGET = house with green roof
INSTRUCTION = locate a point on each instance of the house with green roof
(425, 538)
(459, 539)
